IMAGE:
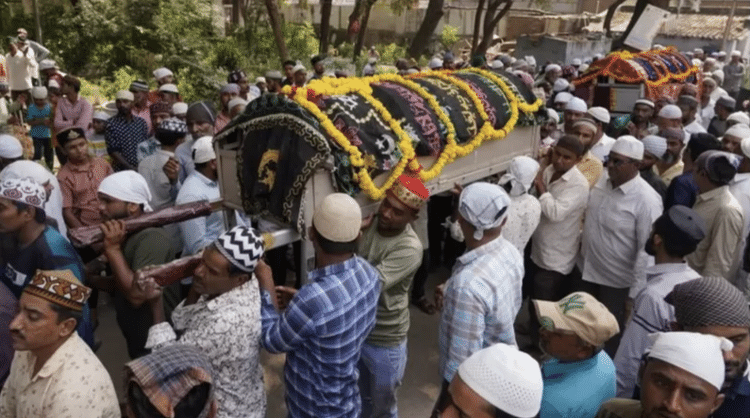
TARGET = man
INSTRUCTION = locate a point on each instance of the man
(179, 111)
(49, 69)
(669, 116)
(36, 245)
(723, 108)
(124, 133)
(620, 211)
(552, 72)
(8, 310)
(97, 142)
(483, 294)
(733, 73)
(711, 305)
(722, 213)
(163, 76)
(161, 170)
(707, 103)
(563, 194)
(54, 373)
(79, 179)
(318, 68)
(580, 376)
(261, 84)
(10, 150)
(159, 112)
(739, 187)
(718, 92)
(274, 81)
(224, 321)
(683, 190)
(487, 385)
(325, 324)
(227, 93)
(201, 184)
(671, 164)
(733, 137)
(140, 105)
(185, 370)
(167, 93)
(602, 142)
(590, 166)
(300, 75)
(681, 377)
(390, 244)
(239, 78)
(200, 118)
(637, 123)
(738, 117)
(40, 52)
(21, 67)
(73, 110)
(561, 100)
(574, 110)
(125, 195)
(654, 150)
(689, 107)
(288, 66)
(674, 235)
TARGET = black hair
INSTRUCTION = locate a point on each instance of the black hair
(190, 406)
(63, 313)
(289, 62)
(332, 247)
(73, 82)
(201, 166)
(166, 137)
(700, 143)
(675, 243)
(39, 214)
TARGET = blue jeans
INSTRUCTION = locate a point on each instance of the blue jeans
(381, 371)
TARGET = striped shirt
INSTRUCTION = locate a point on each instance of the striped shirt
(482, 299)
(322, 331)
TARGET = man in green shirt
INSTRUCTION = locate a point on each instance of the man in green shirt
(124, 195)
(390, 244)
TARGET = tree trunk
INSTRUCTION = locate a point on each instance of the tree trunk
(608, 18)
(432, 16)
(362, 29)
(236, 7)
(278, 34)
(491, 19)
(640, 6)
(354, 19)
(477, 26)
(325, 25)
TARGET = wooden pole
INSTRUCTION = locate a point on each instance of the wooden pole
(728, 29)
(37, 21)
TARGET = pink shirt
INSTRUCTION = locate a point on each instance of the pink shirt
(78, 114)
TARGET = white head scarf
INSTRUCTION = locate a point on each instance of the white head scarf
(128, 186)
(484, 206)
(520, 175)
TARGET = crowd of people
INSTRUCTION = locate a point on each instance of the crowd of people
(605, 277)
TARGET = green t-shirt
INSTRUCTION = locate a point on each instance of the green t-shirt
(396, 259)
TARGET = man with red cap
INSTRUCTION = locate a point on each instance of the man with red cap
(390, 244)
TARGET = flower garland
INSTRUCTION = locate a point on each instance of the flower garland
(306, 97)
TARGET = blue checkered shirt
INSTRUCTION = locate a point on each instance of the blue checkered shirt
(322, 331)
(482, 299)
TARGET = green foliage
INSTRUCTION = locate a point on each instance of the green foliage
(449, 36)
(398, 7)
(390, 53)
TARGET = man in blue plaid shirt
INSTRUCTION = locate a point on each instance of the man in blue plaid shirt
(325, 324)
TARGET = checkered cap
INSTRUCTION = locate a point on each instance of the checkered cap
(173, 125)
(242, 246)
(709, 301)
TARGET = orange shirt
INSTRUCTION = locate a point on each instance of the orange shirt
(79, 185)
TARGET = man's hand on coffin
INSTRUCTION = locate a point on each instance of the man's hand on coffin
(114, 233)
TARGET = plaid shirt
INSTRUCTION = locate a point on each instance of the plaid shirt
(482, 299)
(322, 331)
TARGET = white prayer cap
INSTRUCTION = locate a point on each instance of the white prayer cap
(697, 62)
(436, 63)
(162, 72)
(124, 95)
(484, 206)
(169, 88)
(46, 64)
(552, 114)
(338, 218)
(236, 101)
(128, 186)
(697, 354)
(531, 60)
(260, 80)
(599, 113)
(740, 117)
(576, 104)
(646, 102)
(10, 147)
(655, 145)
(520, 175)
(576, 62)
(179, 108)
(739, 130)
(736, 53)
(585, 121)
(39, 92)
(552, 67)
(53, 84)
(561, 84)
(99, 115)
(710, 60)
(745, 146)
(507, 378)
(718, 75)
(670, 111)
(582, 69)
(203, 150)
(298, 67)
(497, 65)
(628, 146)
(698, 51)
(563, 97)
(722, 53)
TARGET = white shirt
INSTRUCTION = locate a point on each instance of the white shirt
(163, 193)
(707, 113)
(718, 93)
(227, 329)
(73, 383)
(693, 128)
(21, 68)
(740, 189)
(650, 314)
(523, 217)
(602, 147)
(616, 227)
(558, 236)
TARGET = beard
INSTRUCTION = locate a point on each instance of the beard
(669, 158)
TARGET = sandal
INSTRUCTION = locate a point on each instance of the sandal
(425, 305)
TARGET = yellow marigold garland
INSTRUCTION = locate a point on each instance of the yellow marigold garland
(452, 150)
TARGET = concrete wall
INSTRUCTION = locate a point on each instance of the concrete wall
(550, 49)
